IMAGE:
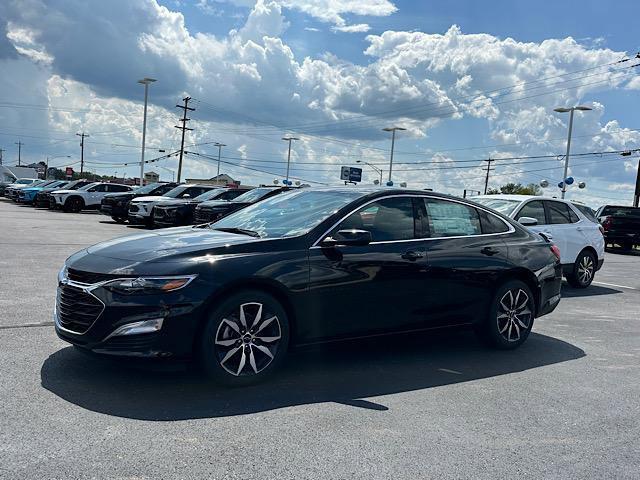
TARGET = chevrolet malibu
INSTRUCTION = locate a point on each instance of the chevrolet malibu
(306, 266)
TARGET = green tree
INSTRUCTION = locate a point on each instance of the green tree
(517, 189)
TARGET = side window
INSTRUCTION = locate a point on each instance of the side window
(558, 213)
(535, 210)
(164, 189)
(118, 188)
(192, 192)
(102, 188)
(573, 217)
(492, 224)
(451, 219)
(388, 219)
(228, 195)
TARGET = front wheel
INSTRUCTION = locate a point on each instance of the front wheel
(583, 270)
(510, 316)
(245, 339)
(73, 205)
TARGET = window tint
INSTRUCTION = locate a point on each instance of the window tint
(572, 215)
(451, 219)
(194, 191)
(229, 195)
(492, 224)
(118, 188)
(388, 219)
(558, 213)
(101, 188)
(164, 189)
(535, 210)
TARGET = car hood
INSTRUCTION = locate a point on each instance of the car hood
(64, 191)
(212, 204)
(119, 195)
(169, 244)
(153, 198)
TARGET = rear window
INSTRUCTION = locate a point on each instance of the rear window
(492, 224)
(621, 211)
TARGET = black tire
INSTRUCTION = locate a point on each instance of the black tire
(627, 246)
(504, 328)
(74, 205)
(583, 270)
(233, 355)
(119, 219)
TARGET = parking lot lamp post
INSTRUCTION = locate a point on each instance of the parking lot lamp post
(566, 157)
(377, 170)
(289, 139)
(393, 141)
(219, 145)
(145, 81)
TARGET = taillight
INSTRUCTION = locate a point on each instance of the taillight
(556, 251)
(607, 223)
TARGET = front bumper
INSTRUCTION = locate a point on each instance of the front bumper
(178, 314)
(114, 210)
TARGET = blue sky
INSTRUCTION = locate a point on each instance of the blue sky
(334, 73)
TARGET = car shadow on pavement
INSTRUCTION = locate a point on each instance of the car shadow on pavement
(590, 291)
(347, 373)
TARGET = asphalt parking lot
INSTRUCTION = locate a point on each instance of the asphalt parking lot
(565, 405)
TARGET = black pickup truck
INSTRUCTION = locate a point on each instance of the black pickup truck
(621, 225)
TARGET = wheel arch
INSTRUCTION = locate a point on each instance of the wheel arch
(590, 249)
(268, 286)
(528, 278)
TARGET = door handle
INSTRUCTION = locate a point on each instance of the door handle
(413, 255)
(489, 251)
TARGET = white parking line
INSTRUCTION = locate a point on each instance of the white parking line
(614, 285)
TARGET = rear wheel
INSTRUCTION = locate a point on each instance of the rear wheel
(245, 339)
(583, 270)
(73, 205)
(510, 316)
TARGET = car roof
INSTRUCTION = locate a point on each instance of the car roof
(519, 198)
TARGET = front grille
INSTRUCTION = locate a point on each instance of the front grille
(158, 213)
(90, 277)
(203, 216)
(77, 310)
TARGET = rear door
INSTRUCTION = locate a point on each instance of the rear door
(95, 196)
(466, 252)
(566, 231)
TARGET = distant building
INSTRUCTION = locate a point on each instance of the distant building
(222, 180)
(151, 177)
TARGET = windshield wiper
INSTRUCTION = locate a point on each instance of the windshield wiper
(240, 231)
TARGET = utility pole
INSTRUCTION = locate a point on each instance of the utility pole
(289, 139)
(486, 180)
(566, 158)
(82, 137)
(393, 141)
(1, 150)
(184, 128)
(219, 145)
(19, 143)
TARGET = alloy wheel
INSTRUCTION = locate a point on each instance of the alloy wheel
(585, 269)
(514, 314)
(247, 339)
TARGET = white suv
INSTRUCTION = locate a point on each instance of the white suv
(87, 197)
(579, 239)
(141, 208)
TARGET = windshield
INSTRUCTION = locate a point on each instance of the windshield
(209, 194)
(253, 195)
(147, 188)
(175, 192)
(621, 211)
(288, 214)
(501, 205)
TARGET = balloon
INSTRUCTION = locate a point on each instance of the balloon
(544, 183)
(569, 180)
(560, 185)
(582, 185)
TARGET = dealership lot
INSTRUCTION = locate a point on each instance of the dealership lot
(564, 405)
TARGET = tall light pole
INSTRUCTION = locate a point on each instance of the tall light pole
(46, 172)
(566, 157)
(219, 145)
(289, 139)
(393, 141)
(145, 81)
(377, 170)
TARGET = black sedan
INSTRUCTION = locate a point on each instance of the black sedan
(214, 210)
(180, 211)
(309, 265)
(116, 205)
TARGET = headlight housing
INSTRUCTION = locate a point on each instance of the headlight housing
(148, 285)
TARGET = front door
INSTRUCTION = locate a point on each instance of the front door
(378, 287)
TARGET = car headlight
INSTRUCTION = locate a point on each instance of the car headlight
(62, 274)
(148, 285)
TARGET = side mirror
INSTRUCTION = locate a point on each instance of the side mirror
(350, 237)
(186, 195)
(527, 221)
